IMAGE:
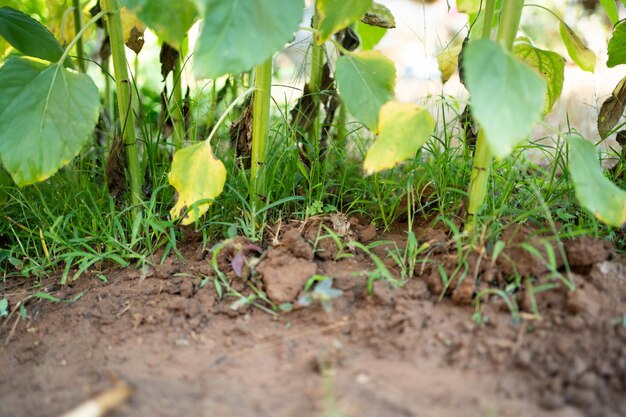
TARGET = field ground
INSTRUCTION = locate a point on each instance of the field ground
(381, 351)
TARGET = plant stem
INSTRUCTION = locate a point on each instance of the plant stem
(315, 86)
(176, 107)
(124, 95)
(78, 25)
(481, 166)
(490, 7)
(260, 125)
(509, 22)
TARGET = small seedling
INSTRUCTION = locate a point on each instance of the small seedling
(4, 307)
(323, 292)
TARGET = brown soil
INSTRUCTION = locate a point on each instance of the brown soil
(381, 351)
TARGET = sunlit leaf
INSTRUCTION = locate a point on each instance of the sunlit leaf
(404, 128)
(550, 65)
(170, 20)
(132, 29)
(380, 16)
(369, 35)
(507, 96)
(335, 15)
(237, 35)
(584, 57)
(196, 175)
(448, 61)
(594, 191)
(29, 7)
(468, 6)
(47, 114)
(610, 7)
(617, 46)
(29, 36)
(612, 109)
(366, 81)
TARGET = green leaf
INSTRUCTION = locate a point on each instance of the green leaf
(5, 182)
(172, 25)
(594, 191)
(507, 96)
(370, 35)
(29, 36)
(335, 15)
(617, 46)
(610, 7)
(379, 16)
(366, 81)
(551, 67)
(404, 128)
(239, 34)
(196, 175)
(47, 114)
(584, 57)
(468, 6)
(612, 109)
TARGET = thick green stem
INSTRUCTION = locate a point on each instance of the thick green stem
(176, 108)
(509, 22)
(124, 94)
(260, 126)
(490, 8)
(481, 166)
(315, 86)
(78, 25)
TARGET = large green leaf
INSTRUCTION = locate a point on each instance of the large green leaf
(612, 109)
(584, 57)
(404, 128)
(47, 114)
(617, 46)
(370, 35)
(366, 81)
(29, 36)
(507, 96)
(196, 175)
(610, 7)
(169, 19)
(239, 34)
(550, 65)
(594, 191)
(335, 15)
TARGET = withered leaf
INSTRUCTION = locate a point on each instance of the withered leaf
(241, 134)
(379, 15)
(116, 169)
(168, 57)
(135, 41)
(612, 109)
(105, 49)
(348, 38)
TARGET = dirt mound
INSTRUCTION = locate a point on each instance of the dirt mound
(382, 351)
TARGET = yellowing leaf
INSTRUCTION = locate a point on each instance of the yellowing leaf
(594, 191)
(468, 6)
(130, 21)
(448, 61)
(196, 175)
(612, 109)
(404, 128)
(584, 57)
(550, 65)
(61, 20)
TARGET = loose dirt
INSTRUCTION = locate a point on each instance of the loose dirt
(418, 350)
